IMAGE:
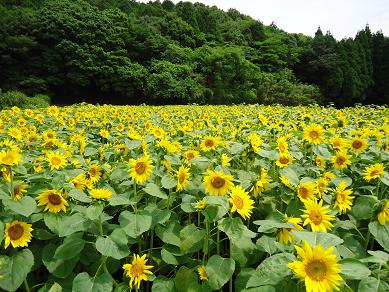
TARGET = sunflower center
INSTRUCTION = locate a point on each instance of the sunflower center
(92, 172)
(284, 160)
(304, 192)
(55, 160)
(140, 168)
(190, 156)
(316, 270)
(316, 217)
(136, 270)
(209, 143)
(181, 178)
(314, 134)
(218, 182)
(374, 172)
(15, 232)
(357, 144)
(8, 159)
(55, 199)
(340, 160)
(238, 202)
(341, 197)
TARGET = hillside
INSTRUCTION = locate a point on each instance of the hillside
(124, 52)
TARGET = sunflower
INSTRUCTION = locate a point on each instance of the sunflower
(79, 182)
(241, 202)
(286, 182)
(137, 270)
(56, 160)
(217, 183)
(341, 160)
(285, 236)
(338, 143)
(318, 267)
(10, 157)
(317, 216)
(306, 191)
(53, 200)
(320, 161)
(321, 186)
(262, 183)
(200, 205)
(190, 154)
(282, 144)
(141, 169)
(313, 134)
(202, 273)
(383, 215)
(101, 194)
(343, 199)
(373, 171)
(183, 175)
(210, 143)
(225, 160)
(104, 133)
(20, 188)
(358, 145)
(94, 173)
(17, 233)
(284, 160)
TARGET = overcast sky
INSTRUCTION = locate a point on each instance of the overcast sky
(342, 17)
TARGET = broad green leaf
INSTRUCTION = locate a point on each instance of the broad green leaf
(58, 267)
(168, 182)
(187, 204)
(71, 247)
(191, 239)
(235, 229)
(79, 195)
(236, 148)
(377, 256)
(168, 258)
(186, 280)
(314, 238)
(94, 211)
(170, 234)
(372, 284)
(135, 224)
(354, 269)
(219, 270)
(385, 178)
(270, 225)
(216, 207)
(90, 151)
(83, 282)
(119, 200)
(55, 288)
(26, 206)
(1, 231)
(65, 224)
(163, 284)
(271, 271)
(14, 269)
(267, 244)
(363, 207)
(381, 233)
(153, 190)
(114, 246)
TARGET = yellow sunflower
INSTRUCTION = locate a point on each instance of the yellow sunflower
(217, 183)
(53, 200)
(284, 160)
(94, 173)
(320, 161)
(183, 176)
(383, 215)
(210, 143)
(17, 233)
(241, 202)
(100, 194)
(285, 236)
(262, 183)
(341, 160)
(141, 169)
(56, 160)
(202, 273)
(313, 134)
(343, 198)
(338, 143)
(373, 171)
(190, 154)
(321, 186)
(306, 191)
(10, 157)
(137, 270)
(79, 182)
(358, 145)
(317, 216)
(286, 182)
(225, 160)
(318, 267)
(20, 188)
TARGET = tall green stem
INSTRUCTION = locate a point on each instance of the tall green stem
(11, 175)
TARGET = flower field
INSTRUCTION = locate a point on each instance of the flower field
(194, 198)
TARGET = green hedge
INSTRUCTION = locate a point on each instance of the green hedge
(16, 98)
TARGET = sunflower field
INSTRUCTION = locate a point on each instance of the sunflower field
(194, 198)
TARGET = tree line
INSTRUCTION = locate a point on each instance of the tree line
(122, 51)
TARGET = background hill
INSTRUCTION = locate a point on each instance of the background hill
(120, 51)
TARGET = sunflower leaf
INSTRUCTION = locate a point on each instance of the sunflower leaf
(83, 282)
(219, 270)
(153, 190)
(26, 206)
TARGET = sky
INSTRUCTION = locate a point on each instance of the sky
(343, 18)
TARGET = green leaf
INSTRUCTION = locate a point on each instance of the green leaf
(381, 233)
(83, 282)
(235, 229)
(168, 257)
(114, 246)
(219, 270)
(267, 244)
(135, 224)
(267, 226)
(58, 267)
(1, 231)
(377, 256)
(170, 234)
(363, 207)
(168, 182)
(216, 207)
(71, 247)
(163, 284)
(15, 269)
(94, 211)
(186, 280)
(271, 271)
(354, 269)
(314, 238)
(153, 190)
(55, 288)
(26, 206)
(79, 195)
(90, 151)
(371, 284)
(65, 224)
(385, 178)
(191, 239)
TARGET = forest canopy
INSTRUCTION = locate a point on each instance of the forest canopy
(125, 52)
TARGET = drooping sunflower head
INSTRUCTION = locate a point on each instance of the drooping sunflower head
(53, 201)
(183, 175)
(141, 169)
(17, 233)
(202, 273)
(20, 188)
(217, 183)
(343, 200)
(313, 134)
(374, 171)
(138, 270)
(285, 236)
(241, 202)
(318, 267)
(317, 216)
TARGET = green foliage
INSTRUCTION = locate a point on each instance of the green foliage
(16, 98)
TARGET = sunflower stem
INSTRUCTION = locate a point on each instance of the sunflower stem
(230, 281)
(26, 285)
(218, 241)
(11, 181)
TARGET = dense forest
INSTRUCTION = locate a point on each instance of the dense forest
(122, 51)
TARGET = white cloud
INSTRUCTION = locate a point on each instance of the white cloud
(343, 18)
